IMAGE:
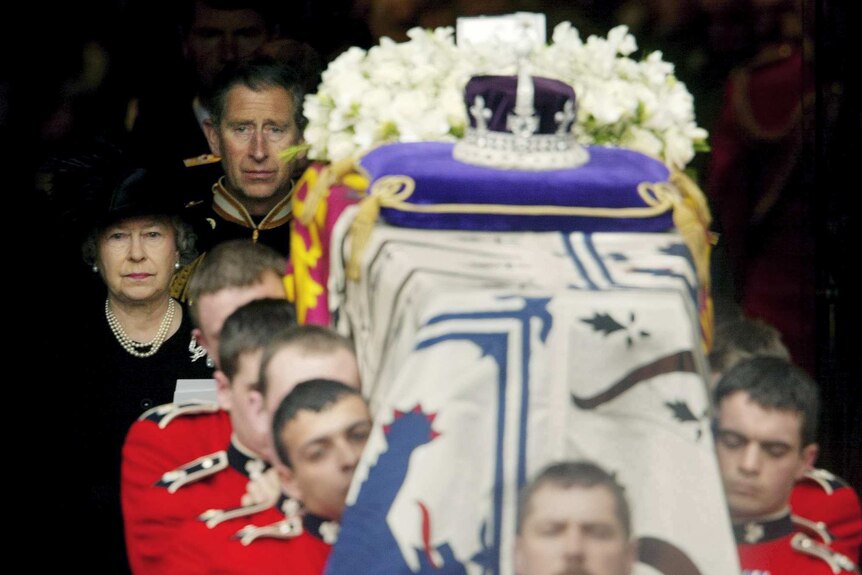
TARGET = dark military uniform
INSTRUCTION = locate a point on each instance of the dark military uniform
(225, 218)
(268, 542)
(179, 461)
(828, 506)
(222, 217)
(781, 547)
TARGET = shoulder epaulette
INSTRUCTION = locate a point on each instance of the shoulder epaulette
(287, 528)
(816, 527)
(212, 517)
(180, 282)
(164, 414)
(193, 471)
(826, 480)
(837, 562)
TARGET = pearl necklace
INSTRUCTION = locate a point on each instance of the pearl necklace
(132, 346)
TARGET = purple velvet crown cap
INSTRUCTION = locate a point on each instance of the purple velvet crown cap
(520, 123)
(500, 94)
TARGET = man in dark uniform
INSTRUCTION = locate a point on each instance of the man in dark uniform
(255, 128)
(766, 428)
(320, 429)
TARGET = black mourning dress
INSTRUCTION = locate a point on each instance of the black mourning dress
(110, 390)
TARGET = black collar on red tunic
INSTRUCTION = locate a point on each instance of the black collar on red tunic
(319, 527)
(243, 461)
(757, 531)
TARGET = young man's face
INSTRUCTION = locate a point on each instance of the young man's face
(573, 531)
(324, 449)
(213, 309)
(255, 126)
(760, 456)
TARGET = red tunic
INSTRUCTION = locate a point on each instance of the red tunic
(829, 507)
(269, 548)
(778, 547)
(175, 468)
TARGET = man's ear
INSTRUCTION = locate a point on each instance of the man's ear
(212, 137)
(809, 456)
(223, 391)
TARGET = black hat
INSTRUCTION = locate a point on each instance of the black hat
(135, 192)
(94, 190)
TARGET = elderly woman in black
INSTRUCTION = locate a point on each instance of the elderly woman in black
(133, 343)
(142, 333)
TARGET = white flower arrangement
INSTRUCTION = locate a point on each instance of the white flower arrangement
(413, 91)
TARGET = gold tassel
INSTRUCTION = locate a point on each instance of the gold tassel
(328, 177)
(691, 217)
(389, 191)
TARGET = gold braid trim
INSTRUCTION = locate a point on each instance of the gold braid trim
(691, 217)
(393, 191)
(318, 188)
(656, 205)
(388, 191)
(180, 281)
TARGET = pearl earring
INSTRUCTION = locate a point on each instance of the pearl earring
(177, 266)
(95, 269)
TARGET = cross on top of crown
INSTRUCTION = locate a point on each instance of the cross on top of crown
(480, 113)
(565, 117)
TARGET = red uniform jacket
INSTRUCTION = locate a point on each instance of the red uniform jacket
(179, 462)
(830, 507)
(264, 543)
(779, 547)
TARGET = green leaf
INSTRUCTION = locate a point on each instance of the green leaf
(289, 154)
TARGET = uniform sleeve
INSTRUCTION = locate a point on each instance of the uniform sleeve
(193, 548)
(150, 513)
(835, 504)
(145, 458)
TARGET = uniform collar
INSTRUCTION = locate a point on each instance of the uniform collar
(232, 210)
(243, 460)
(319, 527)
(764, 529)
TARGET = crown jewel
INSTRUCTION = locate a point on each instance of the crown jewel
(522, 122)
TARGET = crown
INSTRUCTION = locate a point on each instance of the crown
(520, 123)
